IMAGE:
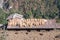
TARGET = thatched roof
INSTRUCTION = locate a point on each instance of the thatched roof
(15, 15)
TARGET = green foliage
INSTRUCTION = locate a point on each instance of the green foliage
(58, 5)
(3, 17)
(28, 14)
(37, 13)
(48, 9)
(39, 9)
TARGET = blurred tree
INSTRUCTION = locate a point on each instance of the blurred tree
(58, 5)
(3, 17)
(48, 9)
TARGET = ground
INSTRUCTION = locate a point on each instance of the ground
(32, 35)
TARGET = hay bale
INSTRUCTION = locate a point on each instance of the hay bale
(44, 21)
(28, 23)
(9, 23)
(24, 23)
(40, 22)
(21, 23)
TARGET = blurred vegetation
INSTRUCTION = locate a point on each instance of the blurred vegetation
(3, 16)
(48, 9)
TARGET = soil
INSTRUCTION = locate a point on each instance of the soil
(32, 35)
